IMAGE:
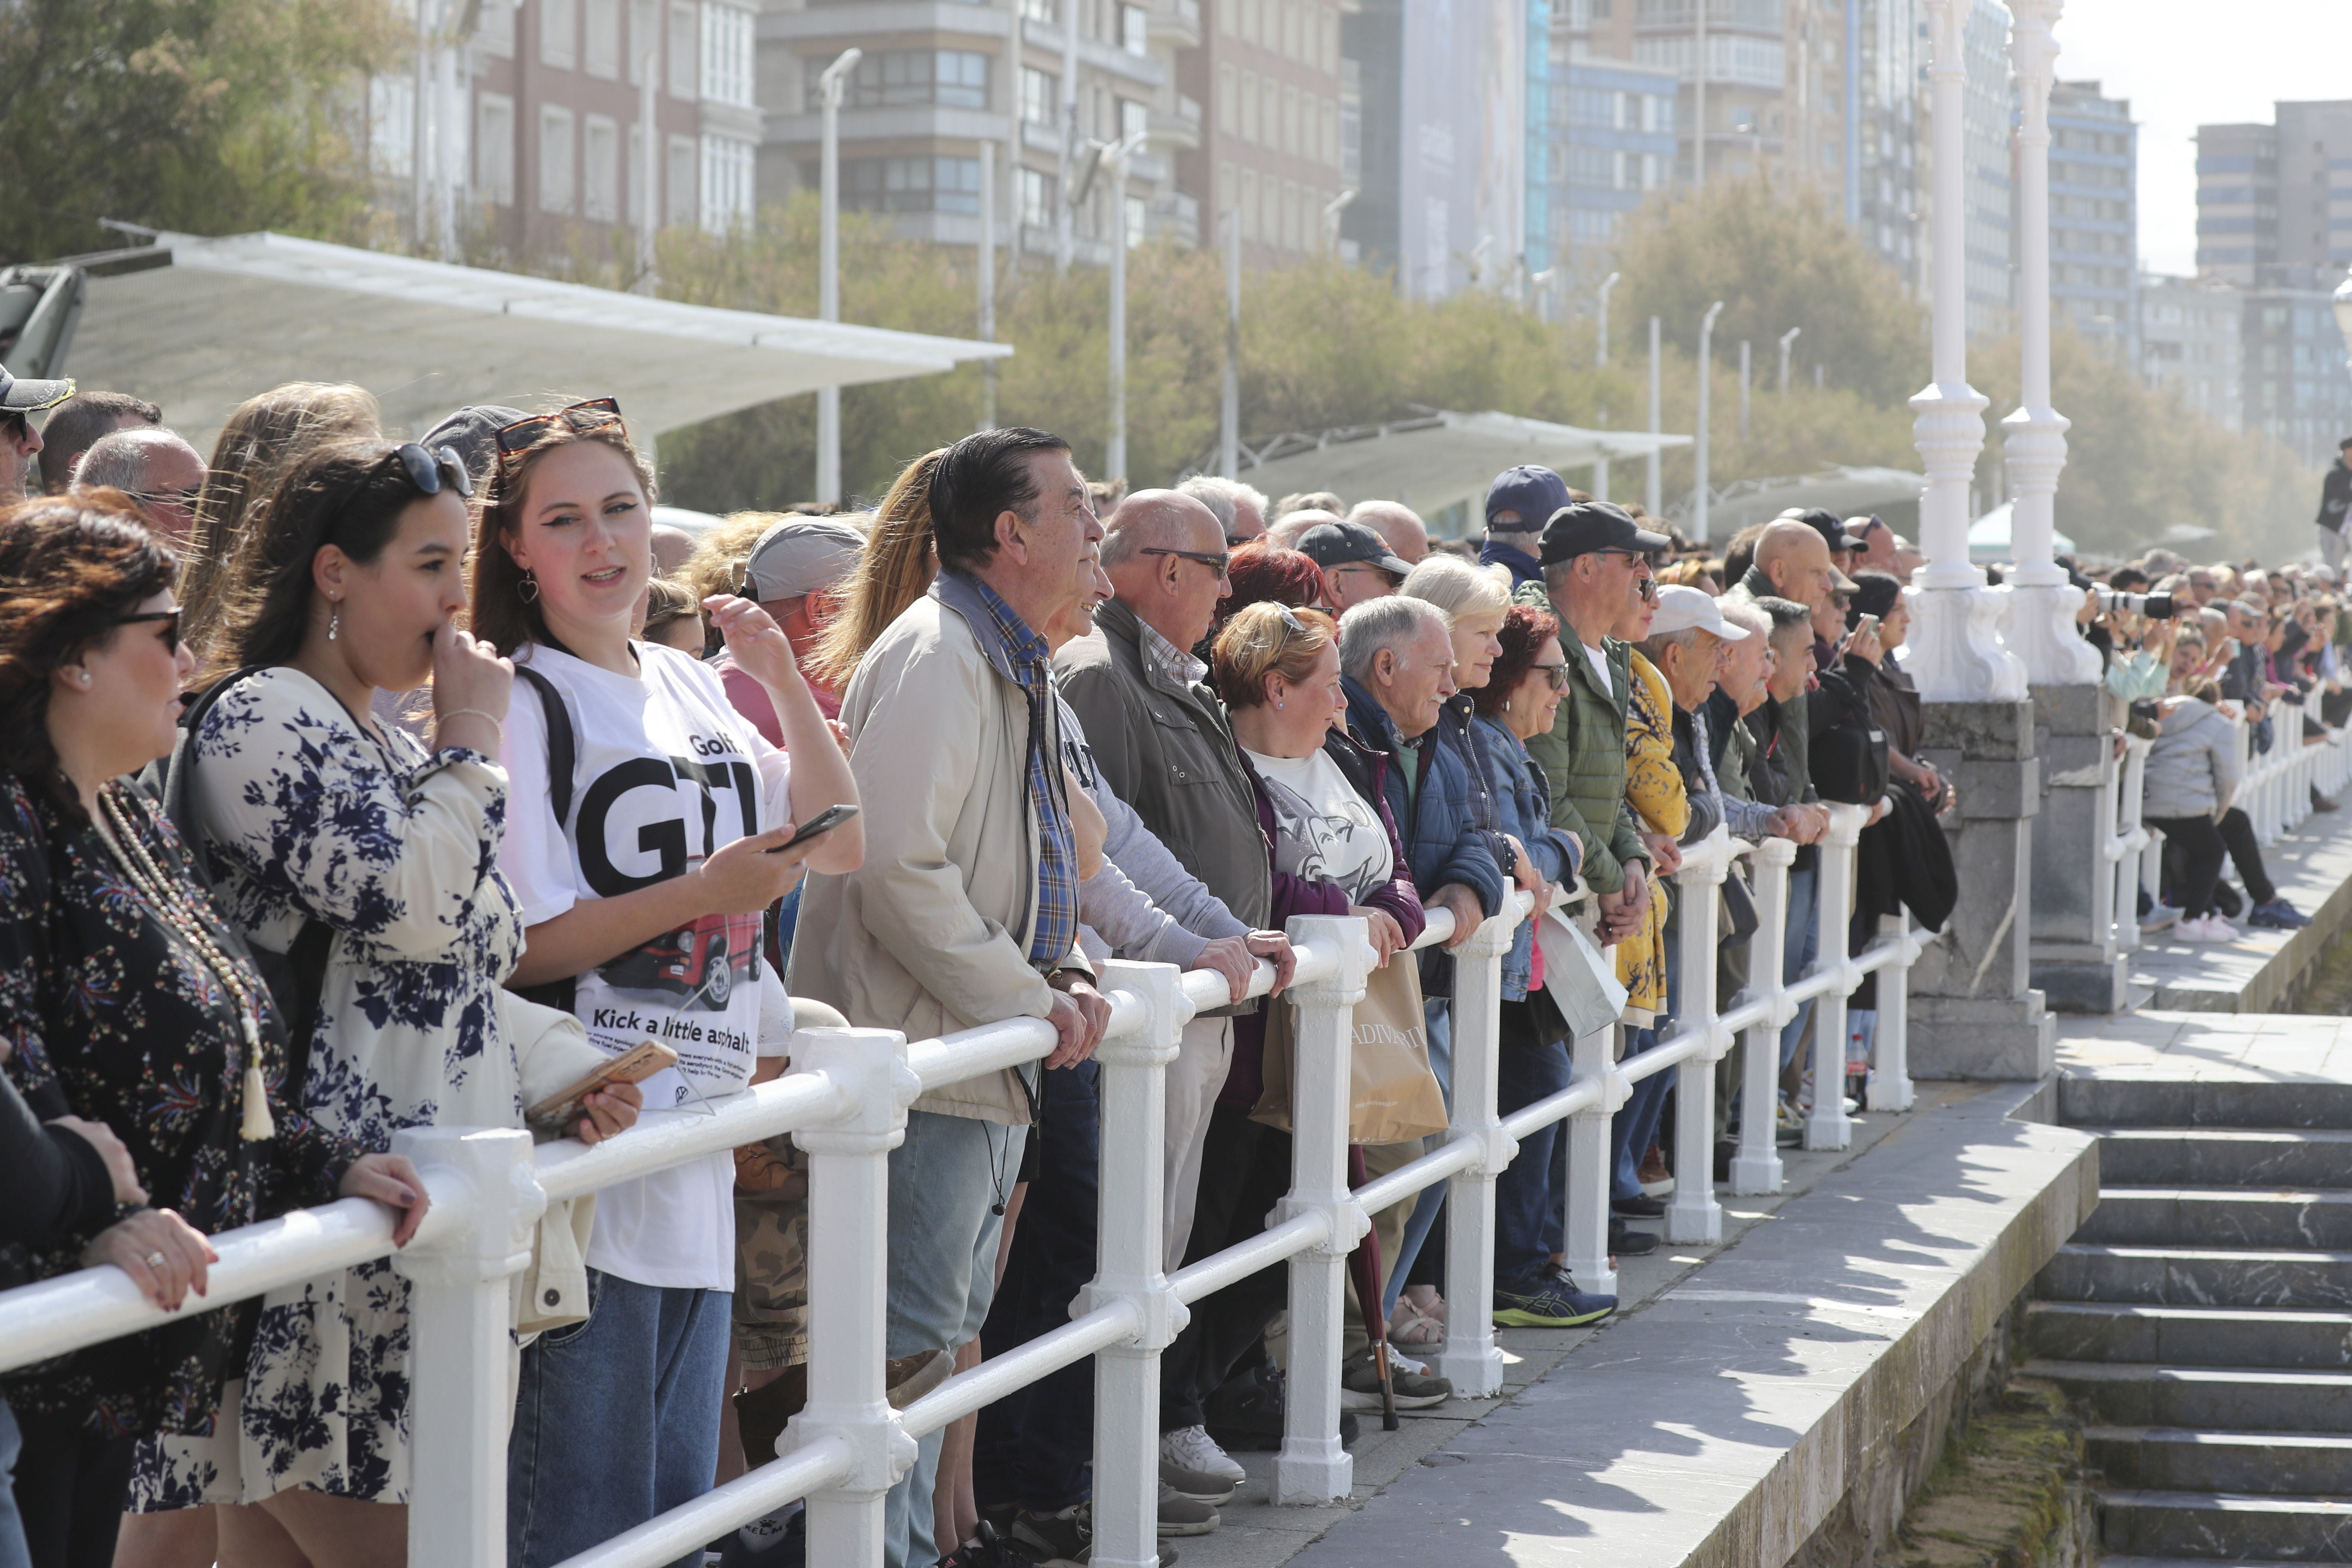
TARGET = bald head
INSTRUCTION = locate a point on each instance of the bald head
(1796, 558)
(155, 467)
(1293, 526)
(1160, 549)
(1399, 526)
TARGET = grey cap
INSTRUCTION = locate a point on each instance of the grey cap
(473, 431)
(18, 395)
(802, 555)
(1343, 544)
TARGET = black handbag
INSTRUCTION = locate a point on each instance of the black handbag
(1848, 758)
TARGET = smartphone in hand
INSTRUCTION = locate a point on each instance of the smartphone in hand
(823, 822)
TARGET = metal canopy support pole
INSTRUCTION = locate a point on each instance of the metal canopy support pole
(1706, 365)
(1653, 498)
(828, 277)
(1229, 414)
(988, 280)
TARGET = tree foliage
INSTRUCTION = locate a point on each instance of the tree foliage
(211, 116)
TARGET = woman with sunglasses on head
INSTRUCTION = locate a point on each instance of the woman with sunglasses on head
(126, 1000)
(323, 828)
(640, 849)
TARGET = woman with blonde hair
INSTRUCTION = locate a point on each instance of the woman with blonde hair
(897, 567)
(263, 439)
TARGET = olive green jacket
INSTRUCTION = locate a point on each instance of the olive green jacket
(1583, 757)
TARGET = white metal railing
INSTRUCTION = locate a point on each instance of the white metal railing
(2304, 755)
(845, 1102)
(2130, 843)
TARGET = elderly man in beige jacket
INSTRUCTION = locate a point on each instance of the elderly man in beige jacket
(965, 911)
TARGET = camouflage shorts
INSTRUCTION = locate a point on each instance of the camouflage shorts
(772, 1274)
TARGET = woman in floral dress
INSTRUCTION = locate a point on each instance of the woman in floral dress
(313, 811)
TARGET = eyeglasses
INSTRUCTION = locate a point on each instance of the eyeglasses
(1555, 673)
(170, 618)
(183, 497)
(594, 415)
(1648, 588)
(1219, 560)
(425, 469)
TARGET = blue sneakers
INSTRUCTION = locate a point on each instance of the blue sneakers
(1553, 1303)
(2278, 915)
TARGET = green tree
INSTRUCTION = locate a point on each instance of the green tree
(206, 115)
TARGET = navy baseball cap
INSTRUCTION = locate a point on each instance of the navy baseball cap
(1534, 493)
(1341, 543)
(1587, 526)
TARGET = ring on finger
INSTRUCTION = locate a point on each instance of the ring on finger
(153, 1260)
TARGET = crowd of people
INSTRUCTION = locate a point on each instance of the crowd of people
(353, 784)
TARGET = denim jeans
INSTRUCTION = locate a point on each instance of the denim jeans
(1804, 942)
(945, 1181)
(1526, 1202)
(12, 1531)
(617, 1418)
(1437, 1012)
(1035, 1443)
(1635, 1126)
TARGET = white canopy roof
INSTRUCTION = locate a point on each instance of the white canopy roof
(227, 318)
(1434, 461)
(1843, 490)
(1989, 536)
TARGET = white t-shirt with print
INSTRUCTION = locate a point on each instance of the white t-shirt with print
(665, 772)
(1323, 830)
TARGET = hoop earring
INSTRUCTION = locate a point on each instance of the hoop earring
(334, 620)
(527, 589)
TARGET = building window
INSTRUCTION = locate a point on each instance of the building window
(554, 159)
(680, 206)
(1038, 10)
(1136, 219)
(1249, 106)
(1134, 30)
(921, 185)
(600, 168)
(1288, 139)
(559, 26)
(1036, 198)
(1134, 120)
(494, 147)
(727, 166)
(645, 38)
(685, 52)
(955, 78)
(1040, 96)
(1227, 123)
(603, 40)
(727, 55)
(1249, 203)
(496, 33)
(632, 177)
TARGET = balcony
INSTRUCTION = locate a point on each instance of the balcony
(1180, 131)
(1178, 21)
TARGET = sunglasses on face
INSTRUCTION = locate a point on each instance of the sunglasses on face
(1556, 674)
(170, 618)
(425, 469)
(185, 497)
(591, 415)
(1648, 588)
(1217, 561)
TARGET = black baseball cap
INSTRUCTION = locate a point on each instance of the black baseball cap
(1533, 492)
(1587, 526)
(18, 395)
(1823, 522)
(1345, 544)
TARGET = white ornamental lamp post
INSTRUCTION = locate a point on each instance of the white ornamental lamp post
(1699, 447)
(1955, 652)
(828, 265)
(2344, 314)
(1601, 323)
(2040, 622)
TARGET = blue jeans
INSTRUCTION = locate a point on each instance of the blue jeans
(617, 1419)
(1437, 1012)
(1036, 1442)
(1635, 1125)
(1527, 1204)
(1805, 944)
(12, 1553)
(945, 1180)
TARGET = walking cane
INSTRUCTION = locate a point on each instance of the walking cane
(1366, 1262)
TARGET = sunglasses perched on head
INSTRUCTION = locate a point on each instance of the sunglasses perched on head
(591, 415)
(170, 618)
(425, 469)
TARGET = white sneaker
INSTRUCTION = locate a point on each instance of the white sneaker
(2206, 928)
(1190, 1461)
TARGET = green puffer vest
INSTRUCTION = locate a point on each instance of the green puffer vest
(1584, 756)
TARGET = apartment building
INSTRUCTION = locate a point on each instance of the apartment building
(943, 85)
(1614, 141)
(2275, 195)
(2295, 385)
(2094, 217)
(2191, 339)
(1270, 155)
(538, 130)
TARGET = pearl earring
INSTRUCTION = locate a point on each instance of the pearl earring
(334, 621)
(83, 677)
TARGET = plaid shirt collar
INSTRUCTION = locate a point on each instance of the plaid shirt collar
(1165, 660)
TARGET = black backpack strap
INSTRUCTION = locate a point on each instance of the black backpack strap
(560, 748)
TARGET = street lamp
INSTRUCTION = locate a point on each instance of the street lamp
(1787, 339)
(2344, 314)
(1601, 334)
(1706, 361)
(828, 265)
(1229, 419)
(1331, 211)
(1114, 157)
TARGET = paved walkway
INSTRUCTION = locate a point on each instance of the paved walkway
(2257, 973)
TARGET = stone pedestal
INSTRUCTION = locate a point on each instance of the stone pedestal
(2076, 964)
(1974, 1013)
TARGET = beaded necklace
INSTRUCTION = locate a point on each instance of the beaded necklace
(168, 897)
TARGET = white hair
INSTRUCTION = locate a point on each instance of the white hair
(1221, 495)
(1389, 622)
(1456, 588)
(120, 458)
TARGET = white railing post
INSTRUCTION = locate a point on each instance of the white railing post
(1469, 1358)
(1828, 1126)
(848, 1268)
(1755, 1165)
(1890, 1067)
(1131, 1268)
(1592, 1057)
(2131, 840)
(459, 1313)
(1693, 1215)
(1312, 1468)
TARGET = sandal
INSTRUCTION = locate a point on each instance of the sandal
(1409, 1329)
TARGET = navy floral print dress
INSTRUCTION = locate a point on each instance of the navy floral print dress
(112, 1015)
(308, 815)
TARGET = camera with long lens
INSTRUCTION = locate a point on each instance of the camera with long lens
(2155, 607)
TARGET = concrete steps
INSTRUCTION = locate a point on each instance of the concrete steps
(2202, 1320)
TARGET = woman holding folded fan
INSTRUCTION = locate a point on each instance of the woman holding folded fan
(640, 854)
(126, 1000)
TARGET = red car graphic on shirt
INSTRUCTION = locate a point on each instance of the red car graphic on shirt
(702, 963)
